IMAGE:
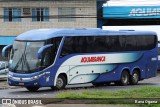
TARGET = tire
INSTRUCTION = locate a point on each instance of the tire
(60, 83)
(124, 78)
(32, 89)
(134, 77)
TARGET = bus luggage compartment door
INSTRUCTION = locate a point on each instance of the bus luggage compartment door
(76, 75)
(83, 73)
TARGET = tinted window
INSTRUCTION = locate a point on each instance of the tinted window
(51, 52)
(74, 45)
(91, 44)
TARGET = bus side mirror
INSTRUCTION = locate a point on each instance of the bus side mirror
(42, 50)
(6, 50)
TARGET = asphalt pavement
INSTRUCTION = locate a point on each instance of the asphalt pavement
(47, 92)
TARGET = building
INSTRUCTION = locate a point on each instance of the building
(132, 15)
(18, 16)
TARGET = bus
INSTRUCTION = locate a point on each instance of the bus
(3, 70)
(59, 57)
(158, 56)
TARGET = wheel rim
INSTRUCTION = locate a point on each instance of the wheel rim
(135, 77)
(125, 78)
(59, 83)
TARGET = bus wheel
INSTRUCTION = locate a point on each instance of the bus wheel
(124, 78)
(60, 83)
(134, 77)
(32, 89)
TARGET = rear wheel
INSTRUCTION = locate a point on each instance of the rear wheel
(124, 78)
(134, 77)
(60, 83)
(32, 89)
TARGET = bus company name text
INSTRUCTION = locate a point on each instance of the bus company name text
(93, 59)
(145, 12)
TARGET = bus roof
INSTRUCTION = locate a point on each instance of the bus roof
(44, 34)
(154, 28)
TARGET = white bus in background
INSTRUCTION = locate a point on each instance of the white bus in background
(155, 28)
(132, 3)
(3, 70)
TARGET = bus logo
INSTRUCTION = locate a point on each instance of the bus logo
(93, 59)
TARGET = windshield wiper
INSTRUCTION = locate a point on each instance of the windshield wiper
(19, 61)
(25, 62)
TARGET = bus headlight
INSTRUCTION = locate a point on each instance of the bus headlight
(35, 77)
(9, 76)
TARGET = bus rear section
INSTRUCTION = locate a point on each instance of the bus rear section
(158, 56)
(99, 60)
(78, 56)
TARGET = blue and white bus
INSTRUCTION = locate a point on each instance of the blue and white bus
(158, 56)
(59, 57)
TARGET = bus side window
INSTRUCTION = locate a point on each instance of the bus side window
(100, 44)
(90, 44)
(122, 42)
(113, 43)
(50, 53)
(142, 42)
(130, 43)
(82, 44)
(150, 41)
(67, 46)
(74, 45)
(47, 59)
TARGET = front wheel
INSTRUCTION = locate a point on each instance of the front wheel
(60, 83)
(32, 89)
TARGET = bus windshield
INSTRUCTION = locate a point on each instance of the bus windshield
(23, 58)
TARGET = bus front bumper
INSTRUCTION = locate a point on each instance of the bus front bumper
(22, 82)
(36, 80)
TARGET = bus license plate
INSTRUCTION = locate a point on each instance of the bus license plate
(21, 83)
